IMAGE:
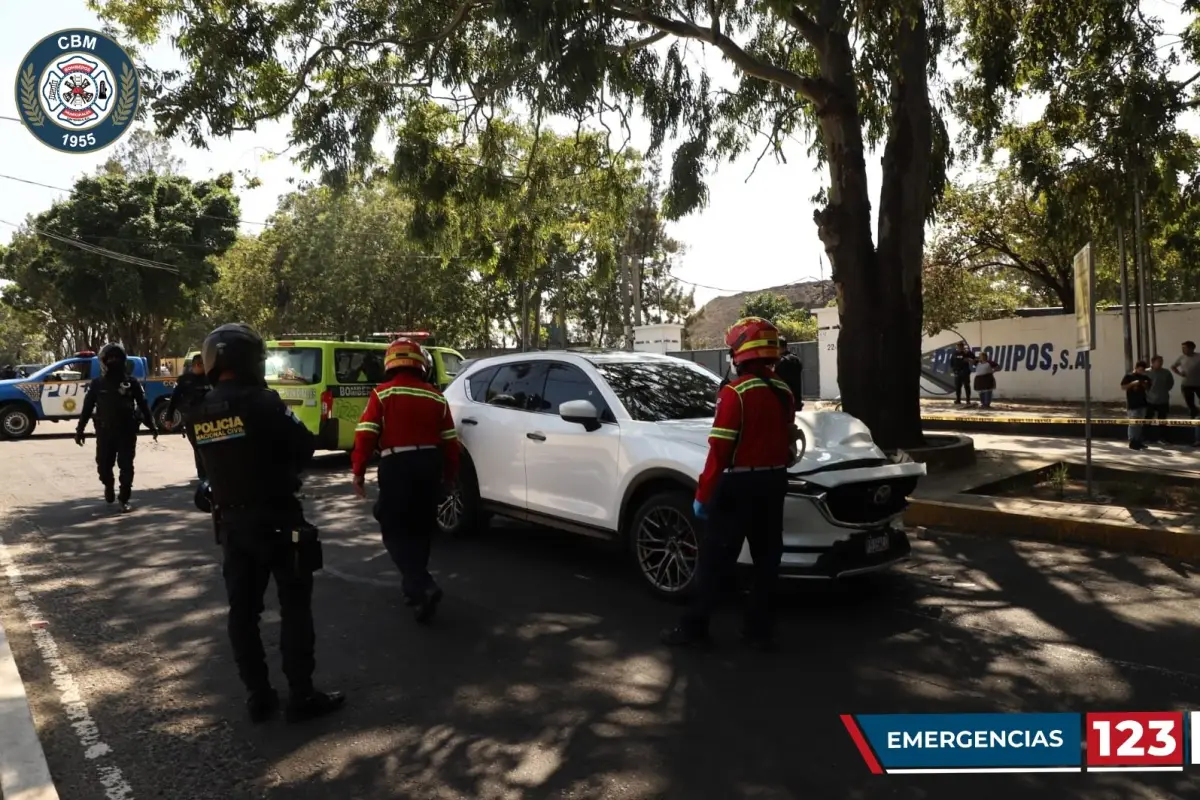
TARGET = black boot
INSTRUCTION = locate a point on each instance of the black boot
(262, 705)
(429, 605)
(110, 494)
(312, 705)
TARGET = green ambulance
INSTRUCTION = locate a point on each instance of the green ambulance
(326, 381)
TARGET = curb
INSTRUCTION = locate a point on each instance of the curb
(24, 774)
(981, 521)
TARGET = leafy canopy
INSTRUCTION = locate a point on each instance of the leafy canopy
(167, 227)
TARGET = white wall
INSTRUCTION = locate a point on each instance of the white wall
(1036, 354)
(661, 339)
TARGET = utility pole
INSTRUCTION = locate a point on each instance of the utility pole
(562, 302)
(524, 317)
(1143, 309)
(1125, 328)
(626, 323)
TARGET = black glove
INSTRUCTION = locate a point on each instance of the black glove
(79, 437)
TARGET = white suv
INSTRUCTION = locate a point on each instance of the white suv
(610, 444)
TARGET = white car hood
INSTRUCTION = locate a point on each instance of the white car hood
(834, 440)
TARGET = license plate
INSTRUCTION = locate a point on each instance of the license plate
(878, 543)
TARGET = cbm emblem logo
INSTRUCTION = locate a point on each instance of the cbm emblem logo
(77, 91)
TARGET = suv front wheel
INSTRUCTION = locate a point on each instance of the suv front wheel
(664, 540)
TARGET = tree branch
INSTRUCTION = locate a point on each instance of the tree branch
(813, 33)
(637, 44)
(460, 16)
(815, 90)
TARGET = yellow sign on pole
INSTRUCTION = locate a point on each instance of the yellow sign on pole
(1085, 309)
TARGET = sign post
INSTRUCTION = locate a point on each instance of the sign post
(1085, 341)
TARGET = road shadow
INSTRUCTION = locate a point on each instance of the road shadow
(543, 677)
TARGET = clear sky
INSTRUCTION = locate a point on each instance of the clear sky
(754, 233)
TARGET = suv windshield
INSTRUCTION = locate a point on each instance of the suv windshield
(295, 366)
(657, 392)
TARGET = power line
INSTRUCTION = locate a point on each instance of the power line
(100, 251)
(72, 191)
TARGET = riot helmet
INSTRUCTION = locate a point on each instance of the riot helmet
(112, 359)
(237, 348)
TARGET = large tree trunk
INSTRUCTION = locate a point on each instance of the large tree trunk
(879, 292)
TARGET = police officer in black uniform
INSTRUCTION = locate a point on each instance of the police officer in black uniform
(253, 448)
(790, 370)
(190, 388)
(118, 400)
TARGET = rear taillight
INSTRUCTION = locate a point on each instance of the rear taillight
(326, 405)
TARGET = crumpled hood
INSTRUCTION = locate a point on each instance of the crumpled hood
(835, 441)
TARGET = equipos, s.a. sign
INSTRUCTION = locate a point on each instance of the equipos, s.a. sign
(77, 91)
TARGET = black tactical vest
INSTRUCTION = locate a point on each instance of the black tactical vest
(246, 470)
(116, 403)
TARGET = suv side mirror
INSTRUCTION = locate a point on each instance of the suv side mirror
(582, 412)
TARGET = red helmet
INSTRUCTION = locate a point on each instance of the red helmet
(404, 354)
(753, 338)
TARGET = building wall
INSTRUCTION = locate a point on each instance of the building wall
(1036, 354)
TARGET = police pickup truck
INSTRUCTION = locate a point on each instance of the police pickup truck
(55, 393)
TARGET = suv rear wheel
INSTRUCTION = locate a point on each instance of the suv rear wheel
(664, 540)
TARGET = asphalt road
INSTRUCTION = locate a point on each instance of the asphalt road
(543, 677)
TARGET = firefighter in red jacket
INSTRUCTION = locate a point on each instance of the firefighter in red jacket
(409, 422)
(742, 488)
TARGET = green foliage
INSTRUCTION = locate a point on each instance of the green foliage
(795, 324)
(84, 295)
(456, 243)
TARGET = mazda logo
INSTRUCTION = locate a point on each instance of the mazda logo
(882, 495)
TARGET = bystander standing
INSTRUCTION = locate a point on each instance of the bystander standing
(1158, 398)
(985, 379)
(1187, 366)
(1134, 385)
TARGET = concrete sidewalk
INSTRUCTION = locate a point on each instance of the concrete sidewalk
(945, 500)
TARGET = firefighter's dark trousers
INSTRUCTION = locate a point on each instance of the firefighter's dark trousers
(116, 447)
(254, 552)
(410, 488)
(744, 506)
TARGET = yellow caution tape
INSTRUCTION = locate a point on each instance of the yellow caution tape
(1179, 423)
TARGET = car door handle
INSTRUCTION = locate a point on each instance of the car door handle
(537, 437)
(470, 421)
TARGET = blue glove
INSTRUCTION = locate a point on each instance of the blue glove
(698, 510)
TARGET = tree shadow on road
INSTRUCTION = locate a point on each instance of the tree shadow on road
(543, 677)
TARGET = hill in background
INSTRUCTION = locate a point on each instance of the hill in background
(706, 328)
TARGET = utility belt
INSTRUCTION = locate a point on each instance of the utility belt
(756, 469)
(391, 451)
(302, 539)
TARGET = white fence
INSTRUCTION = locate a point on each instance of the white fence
(1036, 354)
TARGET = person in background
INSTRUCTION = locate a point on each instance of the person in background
(961, 362)
(1158, 397)
(1187, 366)
(118, 403)
(1135, 385)
(985, 379)
(8, 373)
(189, 392)
(790, 370)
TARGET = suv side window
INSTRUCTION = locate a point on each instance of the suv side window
(565, 382)
(519, 385)
(358, 365)
(477, 383)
